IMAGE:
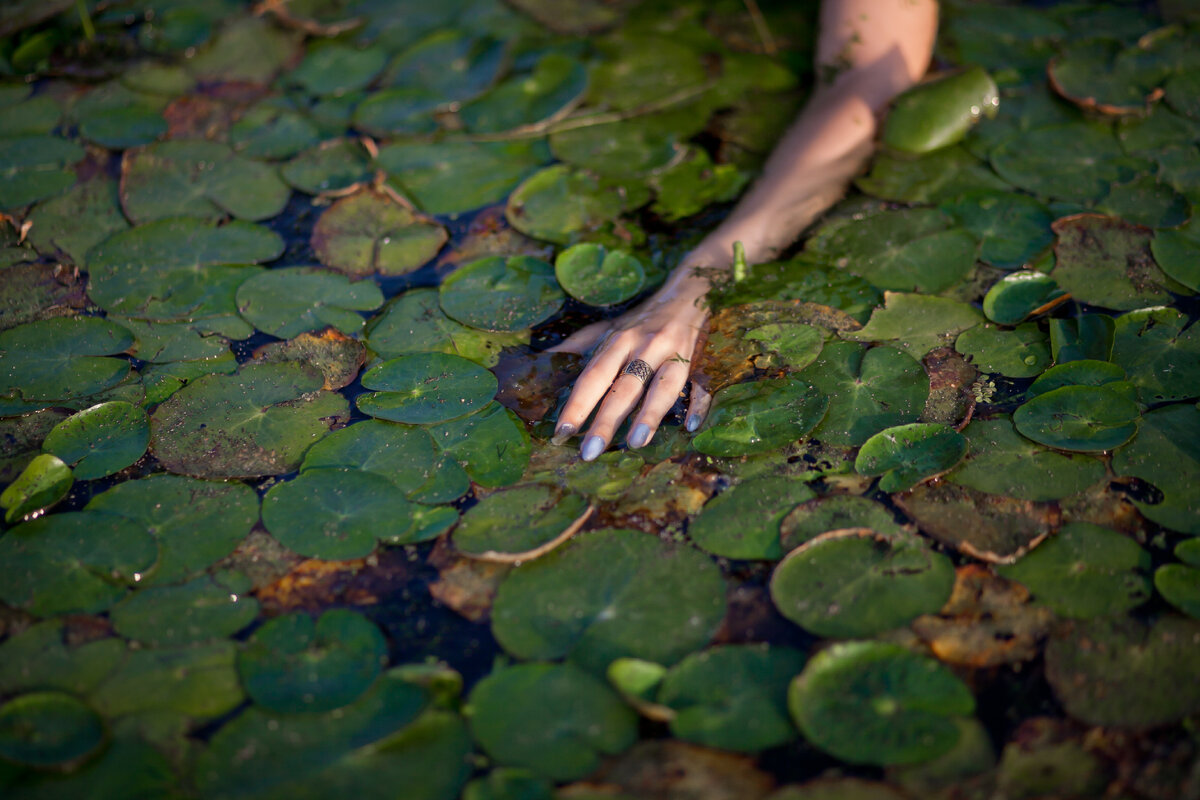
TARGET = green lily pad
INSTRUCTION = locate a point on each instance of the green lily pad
(999, 461)
(591, 720)
(1019, 353)
(938, 113)
(42, 657)
(195, 522)
(517, 520)
(606, 478)
(455, 177)
(100, 440)
(370, 233)
(337, 514)
(556, 82)
(859, 584)
(293, 300)
(692, 183)
(509, 783)
(398, 112)
(1179, 584)
(1085, 571)
(197, 681)
(502, 294)
(1080, 418)
(1146, 200)
(426, 388)
(1084, 372)
(33, 168)
(938, 177)
(31, 116)
(1182, 93)
(1011, 228)
(332, 166)
(796, 343)
(45, 729)
(257, 421)
(338, 357)
(249, 49)
(162, 380)
(1123, 673)
(908, 454)
(67, 226)
(917, 323)
(916, 249)
(562, 205)
(198, 179)
(596, 599)
(1101, 75)
(335, 68)
(876, 703)
(838, 512)
(1107, 262)
(801, 279)
(492, 445)
(414, 323)
(274, 128)
(628, 149)
(760, 416)
(65, 358)
(743, 521)
(453, 64)
(1076, 161)
(294, 663)
(640, 69)
(732, 697)
(1161, 358)
(44, 482)
(869, 390)
(1165, 455)
(1013, 298)
(593, 274)
(1177, 253)
(180, 270)
(73, 562)
(198, 611)
(21, 439)
(1087, 337)
(114, 116)
(33, 291)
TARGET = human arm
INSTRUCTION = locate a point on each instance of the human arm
(869, 51)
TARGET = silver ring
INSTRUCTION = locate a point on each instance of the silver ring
(639, 369)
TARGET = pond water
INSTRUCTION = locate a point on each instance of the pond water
(282, 516)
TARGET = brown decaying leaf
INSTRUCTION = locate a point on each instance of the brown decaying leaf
(336, 355)
(659, 769)
(314, 585)
(988, 527)
(986, 622)
(1101, 505)
(468, 587)
(209, 113)
(665, 495)
(950, 377)
(260, 558)
(530, 382)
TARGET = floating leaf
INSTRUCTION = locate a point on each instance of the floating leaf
(1179, 584)
(743, 521)
(692, 183)
(293, 300)
(628, 149)
(908, 454)
(248, 49)
(1161, 358)
(455, 177)
(556, 82)
(563, 205)
(274, 128)
(1087, 337)
(595, 275)
(398, 112)
(502, 294)
(100, 440)
(36, 291)
(1177, 253)
(370, 233)
(41, 657)
(258, 421)
(43, 483)
(1085, 571)
(856, 583)
(1146, 201)
(414, 323)
(334, 68)
(760, 416)
(1165, 455)
(113, 115)
(988, 527)
(1101, 75)
(510, 706)
(642, 69)
(1106, 261)
(518, 521)
(492, 445)
(21, 439)
(67, 226)
(197, 681)
(294, 664)
(337, 356)
(938, 113)
(61, 359)
(426, 388)
(1080, 418)
(1076, 161)
(1011, 228)
(1019, 353)
(45, 729)
(876, 703)
(33, 168)
(1013, 298)
(837, 512)
(453, 64)
(333, 165)
(798, 345)
(198, 611)
(917, 323)
(801, 279)
(593, 600)
(938, 177)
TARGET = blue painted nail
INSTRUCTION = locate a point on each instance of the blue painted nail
(639, 435)
(593, 446)
(693, 422)
(563, 432)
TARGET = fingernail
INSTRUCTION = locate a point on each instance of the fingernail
(693, 422)
(639, 435)
(593, 446)
(563, 432)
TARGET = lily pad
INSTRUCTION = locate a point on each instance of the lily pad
(61, 359)
(293, 300)
(198, 611)
(628, 149)
(1076, 161)
(370, 233)
(838, 512)
(797, 344)
(426, 388)
(115, 116)
(1146, 200)
(1085, 571)
(198, 681)
(398, 112)
(1080, 418)
(917, 323)
(596, 599)
(1123, 673)
(46, 729)
(1101, 75)
(293, 663)
(455, 177)
(1013, 298)
(1011, 228)
(938, 177)
(198, 179)
(21, 439)
(43, 483)
(1084, 372)
(502, 294)
(492, 445)
(67, 226)
(100, 440)
(453, 64)
(1107, 262)
(856, 583)
(759, 416)
(1165, 455)
(333, 165)
(414, 323)
(249, 49)
(1019, 353)
(1179, 584)
(1160, 356)
(42, 657)
(563, 205)
(801, 279)
(876, 703)
(337, 514)
(1088, 336)
(732, 697)
(869, 389)
(939, 112)
(336, 355)
(999, 461)
(1177, 253)
(274, 128)
(195, 522)
(33, 168)
(258, 421)
(556, 82)
(73, 562)
(509, 708)
(908, 454)
(517, 521)
(595, 275)
(692, 183)
(335, 68)
(743, 521)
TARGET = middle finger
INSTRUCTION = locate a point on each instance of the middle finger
(622, 396)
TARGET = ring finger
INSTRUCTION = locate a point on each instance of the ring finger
(622, 396)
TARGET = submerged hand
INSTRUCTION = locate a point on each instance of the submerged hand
(662, 332)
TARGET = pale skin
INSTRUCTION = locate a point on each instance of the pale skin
(874, 49)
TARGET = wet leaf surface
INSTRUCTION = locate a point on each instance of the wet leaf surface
(370, 233)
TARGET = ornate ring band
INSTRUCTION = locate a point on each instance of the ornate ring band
(638, 369)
